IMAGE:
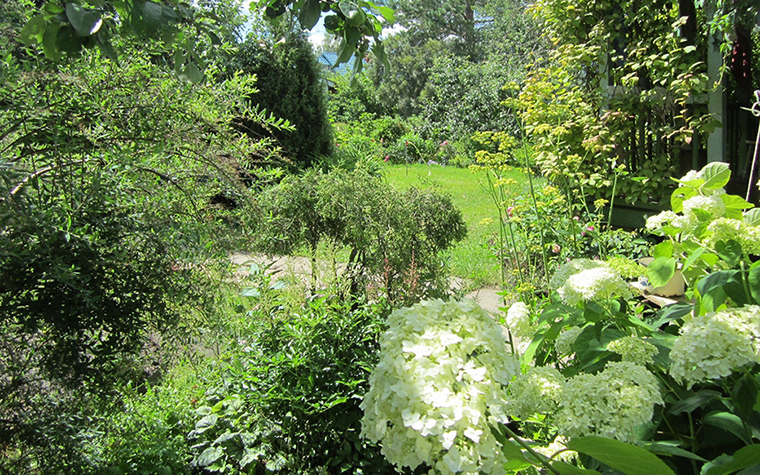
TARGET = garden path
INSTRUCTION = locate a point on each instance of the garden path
(300, 267)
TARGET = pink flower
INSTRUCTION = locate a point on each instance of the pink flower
(444, 143)
(589, 228)
(387, 157)
(509, 211)
(556, 248)
(576, 218)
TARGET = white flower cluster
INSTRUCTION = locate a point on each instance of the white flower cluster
(583, 280)
(712, 204)
(535, 392)
(519, 325)
(724, 229)
(566, 340)
(440, 382)
(610, 403)
(711, 346)
(633, 349)
(558, 450)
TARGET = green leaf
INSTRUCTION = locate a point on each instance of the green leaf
(50, 42)
(698, 400)
(660, 448)
(206, 423)
(716, 175)
(85, 22)
(310, 13)
(730, 251)
(744, 396)
(34, 30)
(679, 196)
(626, 458)
(711, 289)
(209, 456)
(735, 202)
(752, 217)
(743, 458)
(567, 469)
(753, 280)
(664, 249)
(728, 422)
(661, 270)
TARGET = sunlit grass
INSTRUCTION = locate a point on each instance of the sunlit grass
(471, 259)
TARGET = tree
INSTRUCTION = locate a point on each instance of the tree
(105, 182)
(290, 87)
(69, 27)
(626, 85)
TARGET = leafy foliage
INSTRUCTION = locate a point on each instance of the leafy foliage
(290, 394)
(391, 236)
(289, 86)
(106, 182)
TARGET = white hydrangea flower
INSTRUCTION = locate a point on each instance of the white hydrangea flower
(712, 204)
(691, 175)
(566, 340)
(609, 404)
(634, 349)
(724, 229)
(535, 392)
(658, 221)
(572, 267)
(595, 283)
(518, 321)
(712, 346)
(440, 383)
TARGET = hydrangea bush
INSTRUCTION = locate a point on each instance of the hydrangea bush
(601, 372)
(439, 386)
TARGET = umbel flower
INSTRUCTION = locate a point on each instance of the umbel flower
(633, 349)
(584, 280)
(712, 346)
(611, 403)
(535, 392)
(440, 383)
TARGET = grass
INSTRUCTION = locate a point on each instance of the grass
(471, 259)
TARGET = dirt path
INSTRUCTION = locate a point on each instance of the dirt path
(300, 267)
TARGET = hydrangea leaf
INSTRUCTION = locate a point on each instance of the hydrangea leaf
(728, 422)
(730, 251)
(743, 458)
(716, 175)
(753, 279)
(752, 217)
(661, 270)
(626, 458)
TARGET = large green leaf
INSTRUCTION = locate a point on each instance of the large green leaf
(728, 422)
(716, 175)
(626, 458)
(661, 270)
(34, 30)
(310, 13)
(744, 458)
(86, 22)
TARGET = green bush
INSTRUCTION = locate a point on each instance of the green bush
(290, 393)
(290, 87)
(393, 239)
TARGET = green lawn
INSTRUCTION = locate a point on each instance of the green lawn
(470, 259)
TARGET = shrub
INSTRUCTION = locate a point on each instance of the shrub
(391, 237)
(290, 394)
